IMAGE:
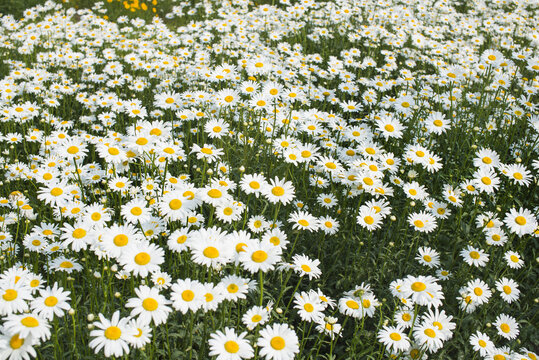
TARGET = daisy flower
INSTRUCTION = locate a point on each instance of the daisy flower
(65, 264)
(208, 152)
(15, 295)
(309, 306)
(482, 343)
(328, 225)
(140, 332)
(278, 342)
(235, 287)
(429, 336)
(302, 220)
(257, 315)
(276, 237)
(329, 326)
(428, 257)
(187, 295)
(253, 184)
(422, 222)
(142, 258)
(394, 338)
(520, 222)
(230, 346)
(279, 191)
(422, 290)
(117, 238)
(486, 158)
(507, 326)
(135, 211)
(51, 302)
(111, 335)
(474, 256)
(210, 247)
(478, 291)
(260, 256)
(513, 259)
(368, 218)
(149, 305)
(15, 346)
(29, 324)
(305, 266)
(486, 180)
(508, 289)
(180, 239)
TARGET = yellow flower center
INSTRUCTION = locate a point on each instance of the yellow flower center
(395, 336)
(57, 191)
(352, 304)
(215, 193)
(478, 291)
(136, 211)
(486, 180)
(259, 256)
(188, 295)
(113, 333)
(507, 289)
(505, 328)
(66, 265)
(72, 150)
(150, 304)
(16, 342)
(142, 258)
(277, 343)
(277, 191)
(175, 204)
(120, 240)
(474, 255)
(211, 252)
(419, 223)
(521, 220)
(430, 333)
(30, 322)
(418, 286)
(232, 347)
(10, 295)
(51, 301)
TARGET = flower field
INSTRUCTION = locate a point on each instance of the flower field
(270, 180)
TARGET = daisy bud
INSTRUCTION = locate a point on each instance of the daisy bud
(117, 294)
(242, 169)
(279, 310)
(90, 326)
(105, 268)
(26, 255)
(209, 172)
(412, 203)
(518, 160)
(114, 268)
(197, 169)
(97, 275)
(393, 218)
(90, 317)
(361, 243)
(268, 141)
(498, 209)
(71, 312)
(391, 243)
(489, 325)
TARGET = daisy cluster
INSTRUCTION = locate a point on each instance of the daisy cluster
(222, 187)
